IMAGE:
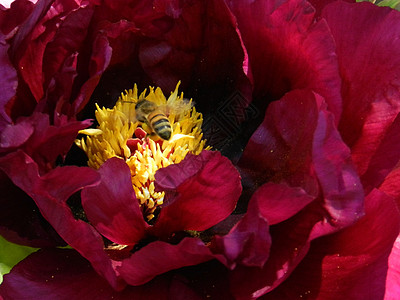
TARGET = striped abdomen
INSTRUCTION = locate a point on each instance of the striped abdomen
(160, 124)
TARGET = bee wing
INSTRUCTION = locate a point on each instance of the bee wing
(179, 107)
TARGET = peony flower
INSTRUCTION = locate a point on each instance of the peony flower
(303, 101)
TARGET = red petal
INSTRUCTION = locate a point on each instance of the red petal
(319, 5)
(112, 206)
(50, 193)
(14, 135)
(288, 50)
(99, 62)
(60, 57)
(248, 243)
(47, 142)
(11, 18)
(299, 144)
(207, 189)
(384, 158)
(352, 262)
(342, 191)
(20, 218)
(391, 184)
(392, 290)
(369, 70)
(33, 41)
(64, 274)
(279, 202)
(159, 257)
(67, 40)
(8, 84)
(281, 148)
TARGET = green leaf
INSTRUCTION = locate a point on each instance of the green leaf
(395, 4)
(11, 254)
(390, 3)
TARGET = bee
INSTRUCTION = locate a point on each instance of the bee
(155, 116)
(149, 113)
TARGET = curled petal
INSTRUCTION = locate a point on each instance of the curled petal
(248, 242)
(99, 61)
(279, 202)
(17, 13)
(50, 193)
(20, 219)
(341, 187)
(112, 206)
(41, 140)
(281, 147)
(207, 189)
(64, 274)
(352, 262)
(160, 257)
(301, 149)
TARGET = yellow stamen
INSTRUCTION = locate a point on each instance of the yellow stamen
(117, 127)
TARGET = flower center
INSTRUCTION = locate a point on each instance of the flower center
(149, 132)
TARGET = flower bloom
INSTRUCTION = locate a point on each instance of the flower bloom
(144, 156)
(318, 216)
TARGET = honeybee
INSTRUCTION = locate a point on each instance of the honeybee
(148, 112)
(155, 116)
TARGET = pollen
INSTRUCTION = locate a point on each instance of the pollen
(120, 134)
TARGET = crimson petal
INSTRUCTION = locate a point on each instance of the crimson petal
(20, 219)
(40, 140)
(353, 262)
(288, 50)
(392, 289)
(341, 187)
(385, 158)
(112, 207)
(64, 274)
(248, 242)
(14, 135)
(281, 148)
(207, 189)
(298, 143)
(159, 257)
(17, 13)
(99, 61)
(319, 5)
(279, 202)
(60, 57)
(8, 84)
(367, 112)
(50, 193)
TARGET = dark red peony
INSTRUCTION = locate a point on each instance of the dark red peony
(302, 102)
